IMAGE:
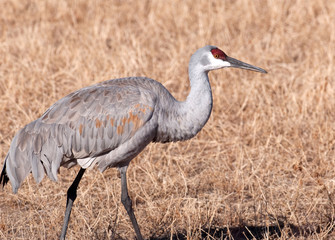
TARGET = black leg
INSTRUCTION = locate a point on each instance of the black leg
(126, 201)
(71, 196)
(3, 177)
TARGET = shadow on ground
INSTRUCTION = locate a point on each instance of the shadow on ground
(244, 232)
(231, 233)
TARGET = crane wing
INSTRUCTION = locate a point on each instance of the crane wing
(86, 124)
(99, 118)
(110, 120)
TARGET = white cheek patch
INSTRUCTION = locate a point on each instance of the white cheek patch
(225, 63)
(218, 63)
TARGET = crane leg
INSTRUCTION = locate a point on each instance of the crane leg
(126, 201)
(71, 196)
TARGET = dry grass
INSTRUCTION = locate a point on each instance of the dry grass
(262, 167)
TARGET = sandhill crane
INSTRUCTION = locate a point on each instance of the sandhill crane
(109, 123)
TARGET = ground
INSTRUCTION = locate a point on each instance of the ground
(262, 167)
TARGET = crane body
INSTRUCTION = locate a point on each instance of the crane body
(109, 123)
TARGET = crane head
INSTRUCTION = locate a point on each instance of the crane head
(214, 58)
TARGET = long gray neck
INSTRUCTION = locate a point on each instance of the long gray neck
(187, 118)
(198, 105)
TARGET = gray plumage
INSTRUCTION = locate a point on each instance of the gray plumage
(108, 124)
(87, 126)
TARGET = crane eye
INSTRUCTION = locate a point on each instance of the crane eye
(219, 54)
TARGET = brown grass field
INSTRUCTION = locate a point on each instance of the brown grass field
(263, 167)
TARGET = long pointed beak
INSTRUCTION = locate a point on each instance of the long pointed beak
(239, 64)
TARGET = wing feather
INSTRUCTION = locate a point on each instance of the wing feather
(82, 126)
(102, 117)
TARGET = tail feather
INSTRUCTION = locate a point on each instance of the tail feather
(33, 150)
(18, 164)
(3, 177)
